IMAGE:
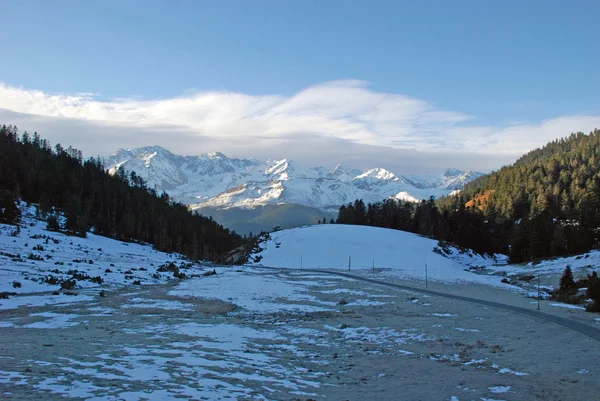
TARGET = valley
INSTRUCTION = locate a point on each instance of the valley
(283, 333)
(299, 201)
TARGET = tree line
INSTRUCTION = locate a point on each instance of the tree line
(119, 206)
(545, 204)
(464, 227)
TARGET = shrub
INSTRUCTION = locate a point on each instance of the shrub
(33, 256)
(52, 224)
(77, 275)
(68, 285)
(16, 284)
(171, 267)
(593, 306)
(593, 292)
(593, 286)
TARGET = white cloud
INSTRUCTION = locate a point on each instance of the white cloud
(348, 112)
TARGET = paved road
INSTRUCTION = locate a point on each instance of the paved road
(568, 323)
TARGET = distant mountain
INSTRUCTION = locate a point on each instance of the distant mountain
(450, 179)
(215, 181)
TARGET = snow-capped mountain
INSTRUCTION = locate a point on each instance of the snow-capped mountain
(214, 180)
(451, 179)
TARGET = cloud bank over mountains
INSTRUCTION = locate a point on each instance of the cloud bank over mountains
(334, 122)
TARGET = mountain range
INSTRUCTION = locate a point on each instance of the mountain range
(213, 183)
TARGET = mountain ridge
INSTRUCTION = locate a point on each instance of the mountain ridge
(215, 180)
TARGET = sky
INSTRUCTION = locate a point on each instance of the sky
(411, 86)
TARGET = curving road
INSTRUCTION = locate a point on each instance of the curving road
(568, 323)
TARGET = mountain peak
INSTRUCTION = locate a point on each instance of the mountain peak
(453, 172)
(216, 155)
(341, 169)
(278, 166)
(286, 169)
(379, 174)
(151, 149)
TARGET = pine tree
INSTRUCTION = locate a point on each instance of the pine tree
(9, 211)
(119, 206)
(567, 285)
(593, 292)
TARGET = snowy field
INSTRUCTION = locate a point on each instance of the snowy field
(336, 246)
(34, 260)
(246, 333)
(400, 255)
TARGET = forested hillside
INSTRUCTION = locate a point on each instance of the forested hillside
(546, 204)
(119, 206)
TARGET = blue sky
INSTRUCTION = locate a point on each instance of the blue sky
(493, 64)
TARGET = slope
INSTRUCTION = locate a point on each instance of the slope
(34, 260)
(546, 203)
(120, 205)
(403, 254)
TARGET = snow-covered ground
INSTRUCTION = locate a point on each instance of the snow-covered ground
(580, 264)
(34, 260)
(253, 334)
(407, 256)
(359, 248)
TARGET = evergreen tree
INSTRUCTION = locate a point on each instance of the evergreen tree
(9, 211)
(593, 292)
(119, 206)
(567, 285)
